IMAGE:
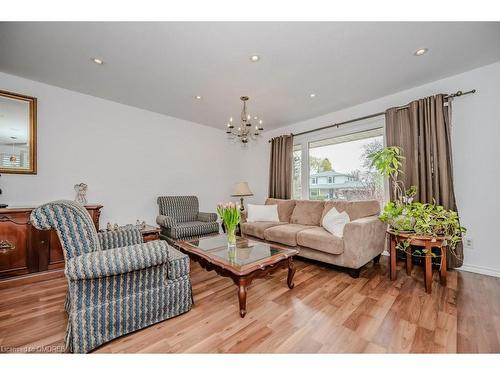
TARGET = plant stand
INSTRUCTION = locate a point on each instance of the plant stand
(428, 243)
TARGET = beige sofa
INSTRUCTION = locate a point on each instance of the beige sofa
(300, 228)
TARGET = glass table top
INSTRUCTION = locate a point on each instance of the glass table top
(245, 252)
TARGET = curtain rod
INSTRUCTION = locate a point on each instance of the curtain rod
(456, 94)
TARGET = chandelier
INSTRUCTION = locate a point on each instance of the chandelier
(244, 131)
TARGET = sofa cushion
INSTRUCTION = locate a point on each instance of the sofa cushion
(307, 212)
(355, 209)
(285, 207)
(334, 222)
(319, 239)
(262, 212)
(284, 234)
(193, 229)
(257, 228)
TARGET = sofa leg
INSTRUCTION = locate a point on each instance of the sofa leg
(354, 273)
(376, 260)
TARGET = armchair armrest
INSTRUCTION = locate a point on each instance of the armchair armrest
(207, 217)
(120, 238)
(364, 238)
(117, 261)
(166, 221)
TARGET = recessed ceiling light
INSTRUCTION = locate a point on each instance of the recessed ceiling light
(198, 97)
(254, 58)
(312, 95)
(421, 51)
(97, 61)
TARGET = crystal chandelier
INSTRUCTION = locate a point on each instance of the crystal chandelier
(244, 131)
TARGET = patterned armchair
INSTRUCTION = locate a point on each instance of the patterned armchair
(116, 283)
(180, 219)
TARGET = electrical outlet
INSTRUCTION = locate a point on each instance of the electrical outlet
(469, 243)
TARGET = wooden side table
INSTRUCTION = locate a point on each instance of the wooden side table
(150, 233)
(428, 243)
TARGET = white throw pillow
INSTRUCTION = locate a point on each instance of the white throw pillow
(334, 222)
(265, 212)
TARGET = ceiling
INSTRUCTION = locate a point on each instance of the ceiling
(163, 66)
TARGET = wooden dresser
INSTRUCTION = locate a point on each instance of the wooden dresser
(25, 250)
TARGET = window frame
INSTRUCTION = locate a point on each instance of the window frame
(306, 139)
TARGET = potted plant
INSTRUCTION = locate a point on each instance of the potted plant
(402, 214)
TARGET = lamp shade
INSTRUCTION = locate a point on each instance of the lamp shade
(241, 189)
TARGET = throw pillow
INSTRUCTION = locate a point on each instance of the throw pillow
(257, 212)
(334, 222)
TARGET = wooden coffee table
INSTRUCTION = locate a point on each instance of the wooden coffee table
(248, 260)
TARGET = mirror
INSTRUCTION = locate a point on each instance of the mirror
(17, 133)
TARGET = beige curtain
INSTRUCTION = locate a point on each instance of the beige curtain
(280, 169)
(422, 130)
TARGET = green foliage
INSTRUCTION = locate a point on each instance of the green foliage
(370, 148)
(318, 165)
(229, 214)
(411, 191)
(427, 219)
(326, 165)
(387, 161)
(398, 217)
(435, 220)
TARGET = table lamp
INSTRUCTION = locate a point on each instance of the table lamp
(241, 190)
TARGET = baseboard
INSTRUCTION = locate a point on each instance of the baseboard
(482, 270)
(31, 278)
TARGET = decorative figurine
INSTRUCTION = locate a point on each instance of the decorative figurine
(116, 227)
(109, 227)
(143, 225)
(81, 193)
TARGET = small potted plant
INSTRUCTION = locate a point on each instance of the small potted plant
(229, 213)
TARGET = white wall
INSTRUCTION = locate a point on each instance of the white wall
(476, 146)
(126, 155)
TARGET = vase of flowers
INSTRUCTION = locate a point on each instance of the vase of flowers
(229, 213)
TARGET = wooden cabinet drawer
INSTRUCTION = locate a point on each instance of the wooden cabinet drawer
(18, 260)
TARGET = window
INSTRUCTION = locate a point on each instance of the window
(297, 172)
(338, 166)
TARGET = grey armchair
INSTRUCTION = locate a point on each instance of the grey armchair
(116, 283)
(180, 219)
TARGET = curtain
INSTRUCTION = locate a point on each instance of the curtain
(422, 129)
(281, 166)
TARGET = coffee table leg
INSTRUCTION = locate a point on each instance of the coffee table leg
(242, 297)
(291, 273)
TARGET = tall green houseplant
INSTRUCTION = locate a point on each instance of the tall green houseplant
(403, 214)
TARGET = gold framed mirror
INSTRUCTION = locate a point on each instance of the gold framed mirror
(17, 133)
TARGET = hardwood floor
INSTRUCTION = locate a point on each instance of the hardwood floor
(326, 312)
